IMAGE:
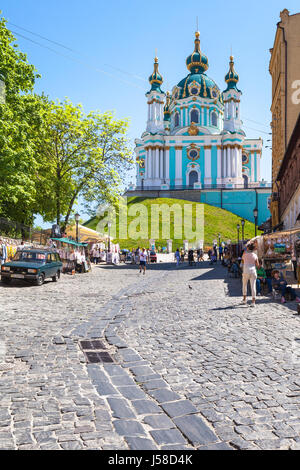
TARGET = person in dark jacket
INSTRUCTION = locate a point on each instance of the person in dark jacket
(279, 283)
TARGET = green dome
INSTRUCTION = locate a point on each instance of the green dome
(197, 62)
(197, 84)
(156, 79)
(232, 77)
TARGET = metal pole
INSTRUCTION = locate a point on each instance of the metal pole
(77, 231)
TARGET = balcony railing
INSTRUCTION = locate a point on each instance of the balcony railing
(203, 186)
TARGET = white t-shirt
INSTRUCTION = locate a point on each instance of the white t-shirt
(250, 260)
(143, 256)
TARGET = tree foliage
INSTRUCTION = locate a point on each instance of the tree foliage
(79, 156)
(51, 153)
(20, 119)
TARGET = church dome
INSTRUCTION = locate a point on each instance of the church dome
(156, 78)
(232, 77)
(197, 62)
(197, 83)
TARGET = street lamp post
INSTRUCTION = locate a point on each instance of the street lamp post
(255, 213)
(238, 243)
(77, 222)
(109, 225)
(219, 235)
(243, 233)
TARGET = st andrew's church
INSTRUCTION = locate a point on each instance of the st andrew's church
(194, 139)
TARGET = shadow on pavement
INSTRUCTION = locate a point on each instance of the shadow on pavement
(234, 289)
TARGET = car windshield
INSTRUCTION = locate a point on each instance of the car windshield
(29, 256)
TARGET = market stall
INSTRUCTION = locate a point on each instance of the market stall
(96, 243)
(9, 247)
(73, 255)
(277, 251)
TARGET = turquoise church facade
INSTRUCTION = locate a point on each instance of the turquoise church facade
(194, 142)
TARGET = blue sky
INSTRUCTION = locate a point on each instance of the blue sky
(113, 45)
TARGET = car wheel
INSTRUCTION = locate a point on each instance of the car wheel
(40, 280)
(6, 280)
(56, 277)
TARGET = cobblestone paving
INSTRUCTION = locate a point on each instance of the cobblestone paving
(238, 366)
(193, 368)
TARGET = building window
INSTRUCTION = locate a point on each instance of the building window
(195, 116)
(176, 120)
(214, 119)
(193, 178)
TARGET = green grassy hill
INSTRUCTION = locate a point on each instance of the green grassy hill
(216, 221)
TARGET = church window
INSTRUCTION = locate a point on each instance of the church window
(176, 120)
(195, 116)
(214, 119)
(194, 91)
(193, 154)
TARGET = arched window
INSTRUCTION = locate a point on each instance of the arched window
(193, 178)
(195, 116)
(176, 120)
(214, 119)
(246, 181)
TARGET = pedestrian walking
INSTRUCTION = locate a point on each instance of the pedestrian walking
(250, 263)
(177, 257)
(143, 259)
(220, 253)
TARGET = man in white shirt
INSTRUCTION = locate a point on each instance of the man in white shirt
(143, 259)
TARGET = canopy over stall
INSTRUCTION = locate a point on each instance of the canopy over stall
(85, 234)
(68, 241)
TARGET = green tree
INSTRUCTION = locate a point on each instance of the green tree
(20, 119)
(80, 156)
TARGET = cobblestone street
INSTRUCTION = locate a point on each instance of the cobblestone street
(193, 367)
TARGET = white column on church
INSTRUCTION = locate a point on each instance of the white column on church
(161, 163)
(258, 165)
(178, 166)
(240, 164)
(146, 164)
(150, 164)
(229, 161)
(186, 116)
(156, 174)
(234, 163)
(167, 160)
(207, 116)
(207, 160)
(219, 163)
(202, 115)
(252, 167)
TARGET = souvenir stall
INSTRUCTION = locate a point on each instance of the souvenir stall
(9, 247)
(277, 250)
(73, 255)
(95, 242)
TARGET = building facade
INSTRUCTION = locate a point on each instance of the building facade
(194, 138)
(285, 71)
(289, 180)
